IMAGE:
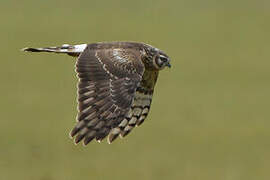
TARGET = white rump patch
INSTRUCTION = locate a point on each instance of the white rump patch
(80, 48)
(65, 45)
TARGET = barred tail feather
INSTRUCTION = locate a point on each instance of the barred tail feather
(72, 50)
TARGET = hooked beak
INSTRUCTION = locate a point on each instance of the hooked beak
(168, 64)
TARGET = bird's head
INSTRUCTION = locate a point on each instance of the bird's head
(157, 59)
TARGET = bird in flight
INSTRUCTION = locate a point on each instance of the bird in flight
(115, 88)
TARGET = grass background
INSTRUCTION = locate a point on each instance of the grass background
(210, 114)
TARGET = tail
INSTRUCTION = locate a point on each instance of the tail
(72, 50)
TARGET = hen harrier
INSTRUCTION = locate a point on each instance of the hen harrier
(116, 85)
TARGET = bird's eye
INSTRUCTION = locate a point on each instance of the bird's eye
(160, 61)
(163, 59)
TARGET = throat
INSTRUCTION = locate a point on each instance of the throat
(149, 79)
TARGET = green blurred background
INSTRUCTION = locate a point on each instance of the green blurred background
(210, 114)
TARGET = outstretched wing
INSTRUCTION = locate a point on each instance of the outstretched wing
(140, 106)
(108, 79)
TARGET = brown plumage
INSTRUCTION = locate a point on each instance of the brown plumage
(115, 89)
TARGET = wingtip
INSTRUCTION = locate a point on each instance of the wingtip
(111, 138)
(70, 135)
(109, 142)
